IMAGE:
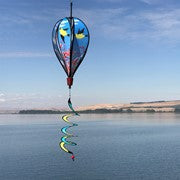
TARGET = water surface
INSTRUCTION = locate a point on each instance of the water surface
(110, 146)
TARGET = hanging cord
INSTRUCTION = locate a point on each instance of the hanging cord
(64, 129)
(69, 93)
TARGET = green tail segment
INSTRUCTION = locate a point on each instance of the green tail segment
(71, 107)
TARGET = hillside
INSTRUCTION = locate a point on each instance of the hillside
(155, 106)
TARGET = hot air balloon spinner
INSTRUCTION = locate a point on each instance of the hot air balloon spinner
(70, 38)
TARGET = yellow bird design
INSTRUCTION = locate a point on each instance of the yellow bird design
(80, 34)
(63, 33)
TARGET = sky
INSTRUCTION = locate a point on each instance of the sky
(134, 53)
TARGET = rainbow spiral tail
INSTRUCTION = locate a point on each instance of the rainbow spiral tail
(67, 135)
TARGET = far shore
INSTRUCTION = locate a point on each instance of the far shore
(134, 107)
(99, 111)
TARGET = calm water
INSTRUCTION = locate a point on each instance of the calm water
(110, 147)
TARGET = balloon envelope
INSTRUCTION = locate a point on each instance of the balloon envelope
(70, 42)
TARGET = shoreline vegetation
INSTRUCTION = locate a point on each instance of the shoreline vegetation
(134, 107)
(97, 111)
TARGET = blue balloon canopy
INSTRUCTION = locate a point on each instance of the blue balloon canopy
(70, 42)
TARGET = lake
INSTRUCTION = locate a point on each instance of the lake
(110, 147)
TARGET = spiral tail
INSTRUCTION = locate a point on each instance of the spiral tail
(67, 135)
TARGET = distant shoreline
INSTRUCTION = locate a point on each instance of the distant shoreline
(97, 111)
(133, 107)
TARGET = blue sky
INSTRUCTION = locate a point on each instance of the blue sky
(134, 53)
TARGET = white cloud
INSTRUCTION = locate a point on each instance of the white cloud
(164, 24)
(23, 54)
(119, 23)
(150, 2)
(1, 94)
(113, 23)
(111, 1)
(2, 99)
(32, 101)
(12, 17)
